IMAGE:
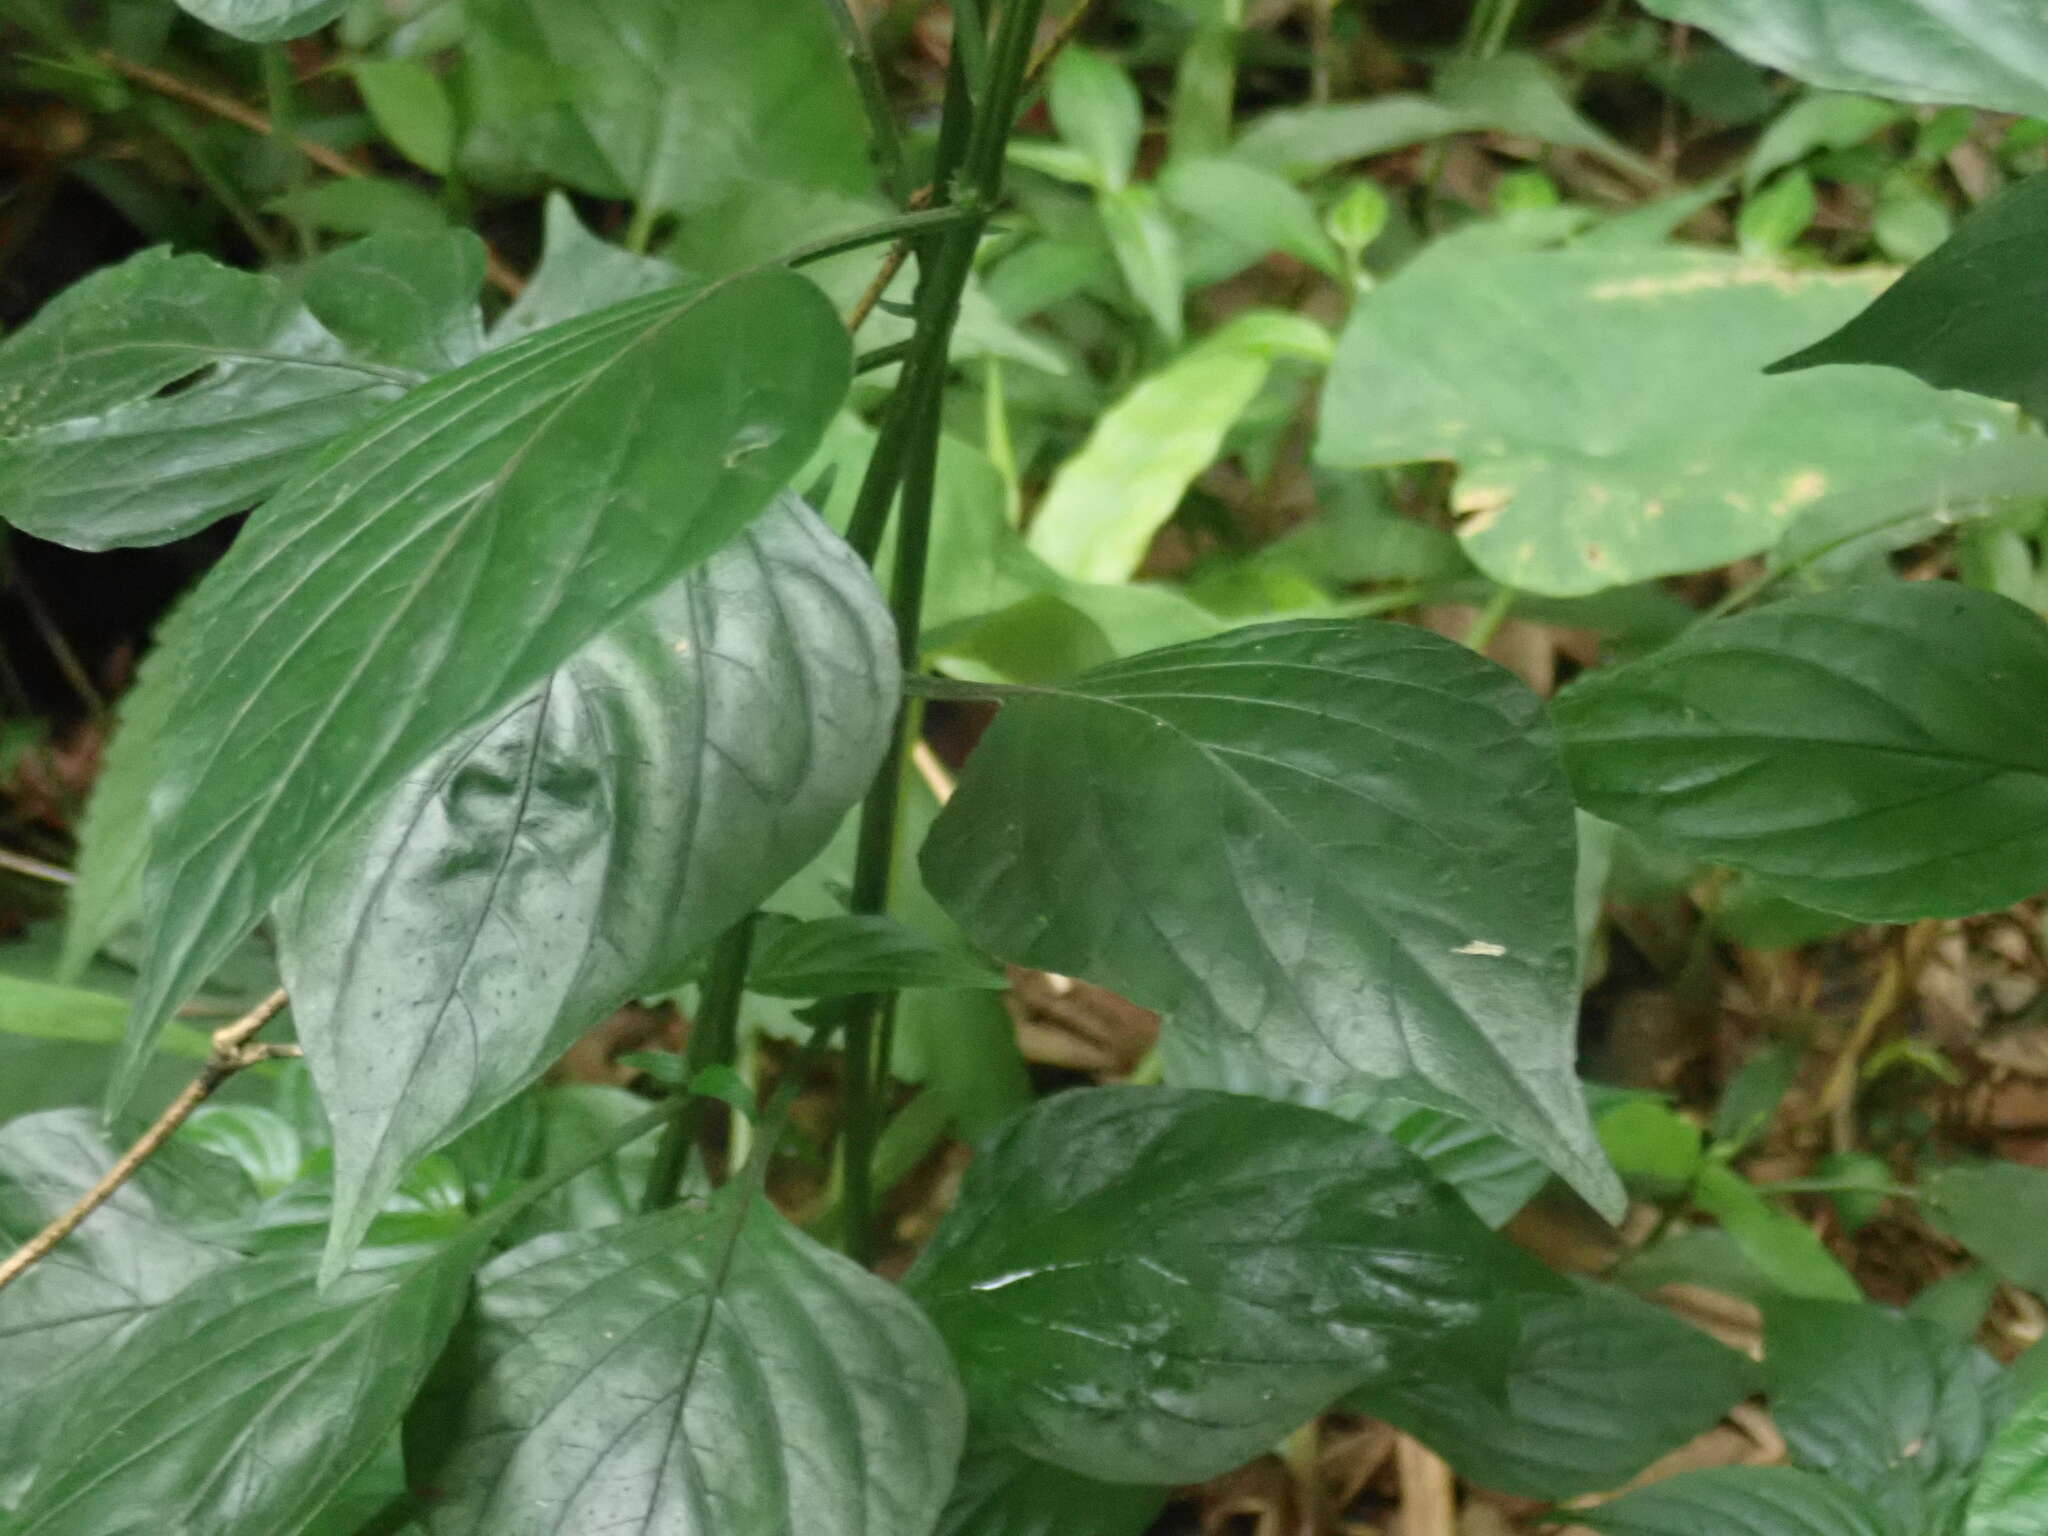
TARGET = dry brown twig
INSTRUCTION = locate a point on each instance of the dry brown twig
(234, 1048)
(501, 277)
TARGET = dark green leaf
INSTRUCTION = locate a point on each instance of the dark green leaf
(1962, 318)
(2011, 1497)
(1868, 751)
(582, 845)
(403, 300)
(1599, 1386)
(1886, 1404)
(1333, 854)
(265, 21)
(240, 1407)
(696, 1371)
(677, 104)
(1740, 1501)
(94, 454)
(129, 1259)
(1001, 1492)
(1753, 1095)
(1996, 1210)
(837, 956)
(576, 1121)
(1607, 410)
(1152, 1285)
(1988, 53)
(1495, 1175)
(438, 564)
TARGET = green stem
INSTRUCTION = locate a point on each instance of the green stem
(714, 1039)
(903, 227)
(1838, 1187)
(859, 49)
(640, 228)
(284, 126)
(881, 357)
(1490, 619)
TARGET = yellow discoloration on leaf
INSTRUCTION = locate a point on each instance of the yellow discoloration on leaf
(1707, 277)
(1653, 510)
(1481, 499)
(1799, 490)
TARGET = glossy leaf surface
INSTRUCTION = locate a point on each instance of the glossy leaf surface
(265, 21)
(1599, 1386)
(694, 1374)
(1333, 854)
(1607, 410)
(1153, 1284)
(240, 1406)
(95, 454)
(1952, 319)
(132, 1257)
(1740, 1501)
(441, 562)
(1868, 751)
(1988, 53)
(582, 845)
(1001, 1492)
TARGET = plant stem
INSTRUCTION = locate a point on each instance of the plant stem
(904, 227)
(1490, 619)
(859, 49)
(714, 1038)
(232, 1051)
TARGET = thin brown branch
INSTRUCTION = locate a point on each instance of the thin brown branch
(1067, 31)
(501, 277)
(233, 1049)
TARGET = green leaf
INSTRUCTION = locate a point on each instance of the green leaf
(677, 104)
(438, 564)
(1646, 1138)
(242, 1405)
(1753, 1095)
(1335, 855)
(264, 21)
(1867, 751)
(1104, 505)
(1988, 53)
(1605, 409)
(1994, 1209)
(703, 1371)
(1147, 253)
(2011, 1497)
(1773, 218)
(95, 454)
(1516, 93)
(1494, 1175)
(1739, 1501)
(1887, 1405)
(1599, 1386)
(1782, 1247)
(1251, 205)
(60, 1315)
(403, 300)
(576, 1121)
(1303, 142)
(839, 956)
(577, 273)
(412, 108)
(580, 846)
(363, 205)
(1096, 110)
(1961, 318)
(47, 1010)
(1001, 1492)
(1820, 120)
(1153, 1285)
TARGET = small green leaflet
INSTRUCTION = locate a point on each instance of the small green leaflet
(692, 1373)
(1337, 856)
(1870, 751)
(438, 563)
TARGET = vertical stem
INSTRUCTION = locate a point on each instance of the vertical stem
(714, 1038)
(859, 49)
(284, 121)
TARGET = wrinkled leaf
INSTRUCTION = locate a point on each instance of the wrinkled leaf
(2011, 1496)
(1988, 53)
(1494, 1175)
(94, 454)
(838, 956)
(130, 1258)
(1606, 409)
(1106, 502)
(1740, 1501)
(240, 1406)
(579, 847)
(1962, 318)
(1869, 751)
(1599, 1386)
(1331, 853)
(694, 1373)
(1153, 1285)
(421, 574)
